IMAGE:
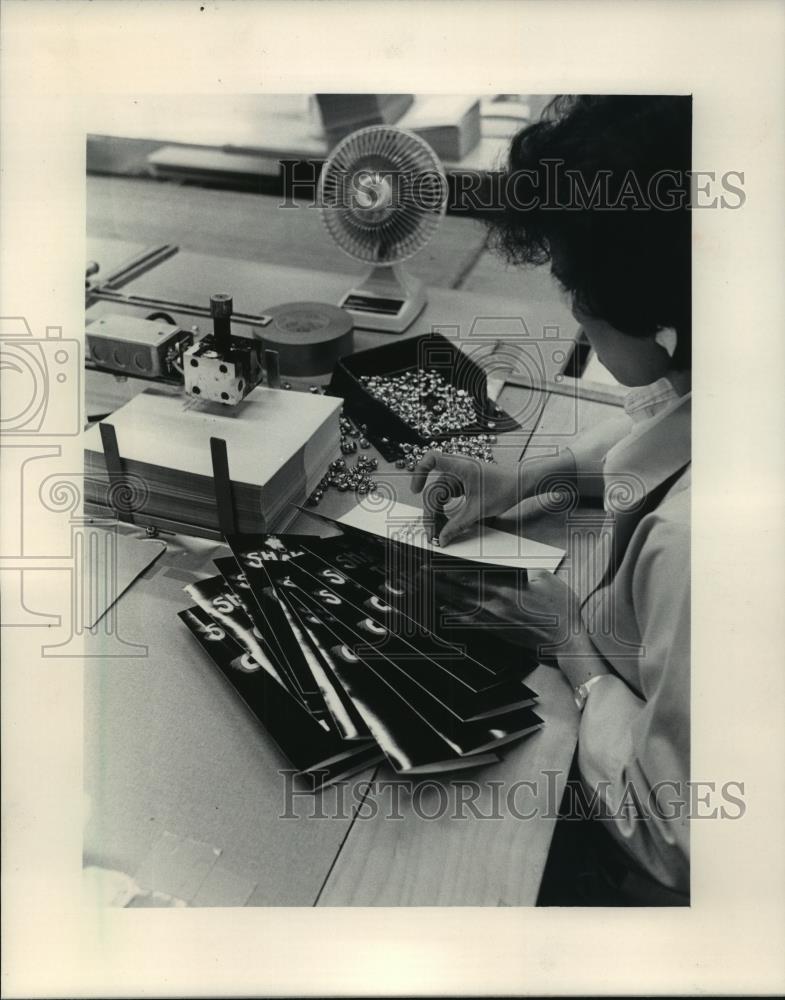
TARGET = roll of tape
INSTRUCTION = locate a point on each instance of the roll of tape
(309, 336)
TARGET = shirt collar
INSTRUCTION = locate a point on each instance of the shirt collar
(648, 401)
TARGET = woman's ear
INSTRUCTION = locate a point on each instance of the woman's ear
(667, 340)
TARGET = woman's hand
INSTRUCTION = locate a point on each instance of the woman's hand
(486, 488)
(543, 615)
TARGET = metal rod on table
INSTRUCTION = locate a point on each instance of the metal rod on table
(567, 386)
(139, 264)
(105, 294)
(221, 311)
(273, 369)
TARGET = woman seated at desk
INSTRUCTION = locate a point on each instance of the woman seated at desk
(627, 271)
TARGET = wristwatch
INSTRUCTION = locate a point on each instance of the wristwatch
(581, 692)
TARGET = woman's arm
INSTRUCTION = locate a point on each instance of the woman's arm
(587, 454)
(635, 751)
(490, 490)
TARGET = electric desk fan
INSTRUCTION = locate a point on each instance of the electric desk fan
(382, 194)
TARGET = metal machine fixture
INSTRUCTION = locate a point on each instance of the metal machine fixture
(130, 345)
(221, 367)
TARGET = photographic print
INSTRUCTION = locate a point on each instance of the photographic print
(360, 513)
(514, 268)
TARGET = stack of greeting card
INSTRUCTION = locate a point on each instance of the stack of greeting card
(338, 649)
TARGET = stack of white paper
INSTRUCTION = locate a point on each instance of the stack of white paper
(279, 445)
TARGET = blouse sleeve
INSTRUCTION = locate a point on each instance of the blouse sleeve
(634, 751)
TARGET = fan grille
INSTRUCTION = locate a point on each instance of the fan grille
(382, 194)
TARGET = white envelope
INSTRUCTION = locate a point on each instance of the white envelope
(403, 523)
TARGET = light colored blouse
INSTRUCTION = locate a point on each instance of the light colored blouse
(634, 738)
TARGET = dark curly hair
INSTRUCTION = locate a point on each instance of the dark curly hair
(600, 187)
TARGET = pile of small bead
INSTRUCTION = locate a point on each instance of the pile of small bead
(343, 477)
(350, 434)
(359, 478)
(478, 446)
(424, 400)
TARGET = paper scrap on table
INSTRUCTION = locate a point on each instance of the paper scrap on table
(177, 866)
(403, 523)
(112, 562)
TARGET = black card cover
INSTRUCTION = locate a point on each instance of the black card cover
(300, 737)
(251, 553)
(363, 568)
(345, 716)
(411, 745)
(410, 742)
(360, 635)
(363, 755)
(226, 608)
(297, 673)
(476, 669)
(440, 675)
(410, 572)
(293, 645)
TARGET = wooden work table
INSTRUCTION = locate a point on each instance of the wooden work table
(170, 751)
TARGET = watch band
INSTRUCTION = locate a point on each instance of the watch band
(581, 692)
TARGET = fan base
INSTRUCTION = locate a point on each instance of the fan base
(389, 300)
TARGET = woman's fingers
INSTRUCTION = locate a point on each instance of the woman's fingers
(459, 469)
(439, 491)
(457, 477)
(430, 460)
(458, 523)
